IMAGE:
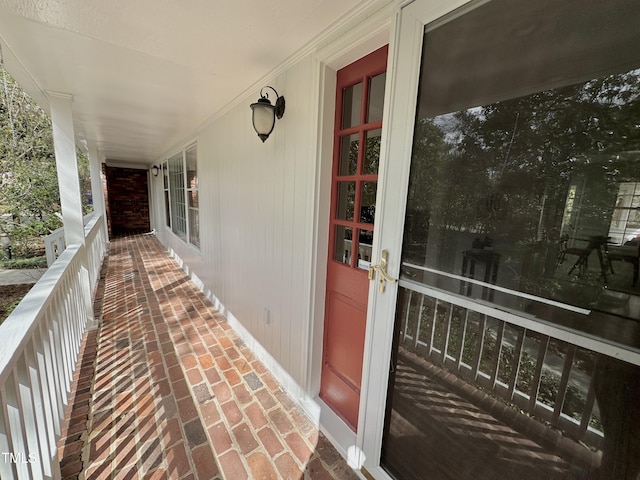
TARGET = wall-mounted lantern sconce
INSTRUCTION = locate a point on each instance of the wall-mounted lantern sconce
(264, 114)
(154, 170)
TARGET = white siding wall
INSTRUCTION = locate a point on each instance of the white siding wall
(256, 218)
(265, 207)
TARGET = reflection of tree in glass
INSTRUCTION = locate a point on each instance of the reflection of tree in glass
(525, 142)
(372, 154)
(504, 170)
(368, 202)
(346, 200)
(353, 154)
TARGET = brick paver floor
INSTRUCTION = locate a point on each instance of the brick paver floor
(166, 390)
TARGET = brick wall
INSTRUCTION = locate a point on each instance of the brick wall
(127, 199)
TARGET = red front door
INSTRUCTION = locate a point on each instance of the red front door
(356, 153)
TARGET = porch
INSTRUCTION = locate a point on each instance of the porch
(165, 389)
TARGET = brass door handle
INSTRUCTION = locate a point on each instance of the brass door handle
(382, 270)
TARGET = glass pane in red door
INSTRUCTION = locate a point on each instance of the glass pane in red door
(368, 202)
(348, 155)
(376, 98)
(365, 244)
(344, 239)
(372, 152)
(346, 200)
(352, 105)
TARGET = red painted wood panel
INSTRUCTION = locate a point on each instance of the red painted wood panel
(348, 285)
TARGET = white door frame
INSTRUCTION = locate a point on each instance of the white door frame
(357, 40)
(405, 52)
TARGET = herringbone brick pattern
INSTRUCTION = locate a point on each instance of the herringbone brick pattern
(167, 390)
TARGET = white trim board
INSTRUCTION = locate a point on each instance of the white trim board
(322, 417)
(289, 385)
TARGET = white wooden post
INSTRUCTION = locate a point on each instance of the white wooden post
(67, 167)
(69, 184)
(95, 169)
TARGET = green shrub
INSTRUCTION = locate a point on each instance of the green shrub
(18, 263)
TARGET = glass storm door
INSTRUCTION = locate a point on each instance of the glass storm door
(358, 126)
(514, 332)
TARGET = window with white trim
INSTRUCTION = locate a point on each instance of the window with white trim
(180, 174)
(625, 221)
(191, 162)
(165, 187)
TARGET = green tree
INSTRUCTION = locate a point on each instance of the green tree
(29, 194)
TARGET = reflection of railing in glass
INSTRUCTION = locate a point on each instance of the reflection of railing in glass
(544, 377)
(566, 397)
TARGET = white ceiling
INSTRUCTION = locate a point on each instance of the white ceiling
(145, 74)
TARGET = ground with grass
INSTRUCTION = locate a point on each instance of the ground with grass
(10, 296)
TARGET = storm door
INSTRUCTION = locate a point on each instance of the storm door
(516, 339)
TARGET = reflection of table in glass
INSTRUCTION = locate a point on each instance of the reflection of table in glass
(629, 253)
(597, 243)
(491, 262)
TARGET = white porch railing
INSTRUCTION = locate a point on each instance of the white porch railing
(511, 357)
(54, 243)
(40, 345)
(96, 245)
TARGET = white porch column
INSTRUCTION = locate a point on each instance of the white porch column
(95, 170)
(67, 166)
(69, 184)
